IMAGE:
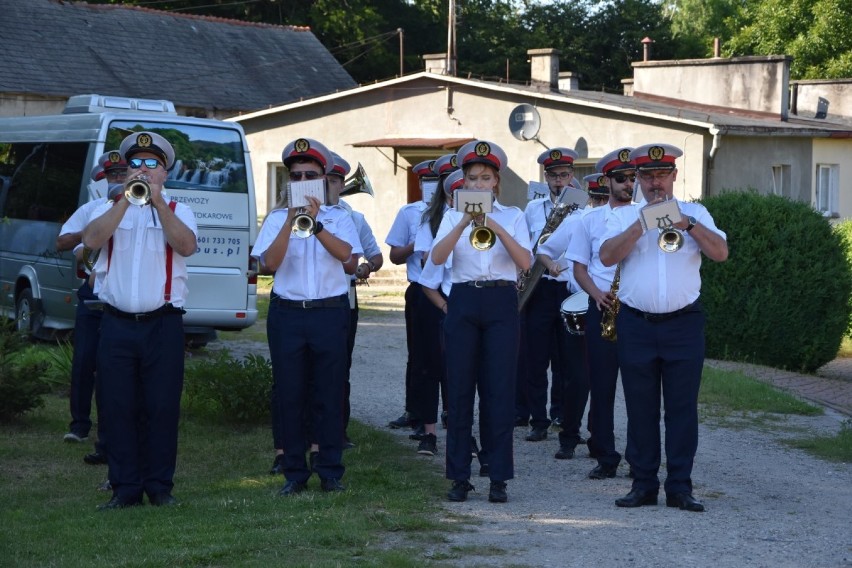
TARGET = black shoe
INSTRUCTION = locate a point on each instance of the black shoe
(685, 502)
(564, 453)
(497, 492)
(602, 472)
(403, 421)
(277, 465)
(312, 461)
(292, 488)
(581, 440)
(348, 444)
(118, 503)
(637, 498)
(419, 433)
(75, 437)
(331, 484)
(459, 490)
(162, 500)
(428, 445)
(444, 419)
(484, 470)
(520, 421)
(537, 435)
(556, 423)
(105, 486)
(95, 458)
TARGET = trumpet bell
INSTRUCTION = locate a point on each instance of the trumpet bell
(303, 225)
(137, 191)
(670, 240)
(357, 183)
(482, 238)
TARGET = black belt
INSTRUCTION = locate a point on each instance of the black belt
(488, 283)
(144, 316)
(333, 302)
(656, 318)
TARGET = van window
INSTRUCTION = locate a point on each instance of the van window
(41, 181)
(211, 159)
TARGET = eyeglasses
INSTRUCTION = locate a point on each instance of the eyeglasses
(298, 176)
(561, 175)
(621, 178)
(657, 175)
(150, 163)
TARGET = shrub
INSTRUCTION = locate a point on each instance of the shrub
(844, 230)
(21, 386)
(229, 389)
(783, 297)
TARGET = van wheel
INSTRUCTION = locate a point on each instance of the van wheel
(27, 318)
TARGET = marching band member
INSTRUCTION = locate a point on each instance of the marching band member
(308, 322)
(614, 183)
(542, 335)
(401, 241)
(481, 326)
(372, 263)
(142, 281)
(661, 330)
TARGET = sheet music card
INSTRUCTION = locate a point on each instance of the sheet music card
(298, 192)
(660, 215)
(573, 197)
(428, 188)
(537, 190)
(474, 201)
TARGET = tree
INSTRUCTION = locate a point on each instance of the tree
(695, 23)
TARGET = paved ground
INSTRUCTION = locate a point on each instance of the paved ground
(831, 386)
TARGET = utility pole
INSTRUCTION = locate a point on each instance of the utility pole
(451, 39)
(399, 31)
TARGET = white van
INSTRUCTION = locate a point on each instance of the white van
(45, 165)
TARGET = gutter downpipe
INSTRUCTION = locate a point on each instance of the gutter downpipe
(714, 148)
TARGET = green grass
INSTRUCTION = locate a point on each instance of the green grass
(835, 448)
(729, 391)
(845, 348)
(229, 514)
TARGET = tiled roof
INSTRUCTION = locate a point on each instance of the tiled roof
(57, 48)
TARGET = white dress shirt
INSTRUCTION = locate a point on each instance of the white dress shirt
(136, 279)
(403, 232)
(655, 281)
(585, 245)
(365, 234)
(309, 271)
(468, 264)
(556, 246)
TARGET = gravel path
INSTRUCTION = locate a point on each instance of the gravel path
(767, 505)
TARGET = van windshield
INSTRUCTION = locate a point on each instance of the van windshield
(207, 158)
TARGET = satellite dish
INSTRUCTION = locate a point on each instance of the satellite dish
(524, 122)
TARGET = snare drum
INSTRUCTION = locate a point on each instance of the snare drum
(573, 313)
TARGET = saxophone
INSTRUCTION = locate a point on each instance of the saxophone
(528, 279)
(608, 331)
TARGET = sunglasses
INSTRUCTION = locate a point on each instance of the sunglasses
(150, 163)
(554, 175)
(298, 176)
(621, 178)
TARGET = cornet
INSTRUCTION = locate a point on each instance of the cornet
(482, 237)
(670, 239)
(137, 190)
(303, 224)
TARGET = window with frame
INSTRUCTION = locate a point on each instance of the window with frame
(827, 193)
(781, 180)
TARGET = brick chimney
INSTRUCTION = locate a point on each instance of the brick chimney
(544, 68)
(436, 63)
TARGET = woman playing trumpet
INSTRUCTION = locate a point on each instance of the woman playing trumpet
(481, 326)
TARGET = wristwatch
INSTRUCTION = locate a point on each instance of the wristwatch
(692, 223)
(318, 228)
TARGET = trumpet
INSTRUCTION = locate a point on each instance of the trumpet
(670, 239)
(482, 237)
(303, 224)
(138, 191)
(90, 257)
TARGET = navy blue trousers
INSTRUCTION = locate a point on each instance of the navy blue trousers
(413, 294)
(140, 377)
(603, 381)
(428, 363)
(663, 358)
(545, 347)
(87, 330)
(481, 330)
(350, 347)
(308, 349)
(575, 388)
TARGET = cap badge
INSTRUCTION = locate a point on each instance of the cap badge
(624, 155)
(143, 140)
(432, 165)
(453, 161)
(114, 157)
(656, 153)
(482, 149)
(555, 155)
(301, 145)
(601, 180)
